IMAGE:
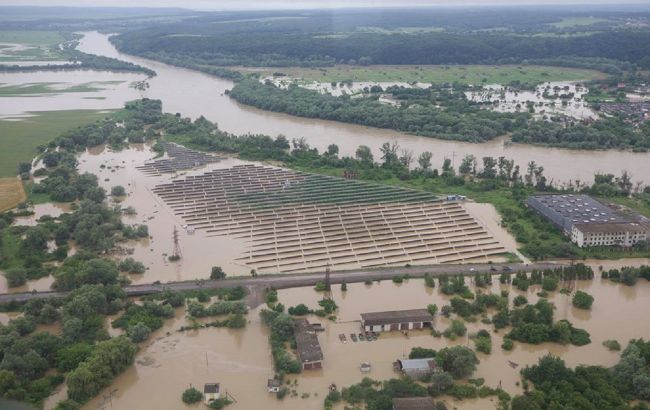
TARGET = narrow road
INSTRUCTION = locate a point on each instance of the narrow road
(257, 285)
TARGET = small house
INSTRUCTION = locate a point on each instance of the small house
(416, 368)
(210, 392)
(273, 385)
(413, 403)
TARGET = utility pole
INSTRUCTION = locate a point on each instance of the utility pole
(177, 247)
(328, 285)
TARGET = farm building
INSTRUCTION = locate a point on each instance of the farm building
(210, 392)
(588, 222)
(273, 385)
(396, 320)
(310, 354)
(416, 368)
(413, 403)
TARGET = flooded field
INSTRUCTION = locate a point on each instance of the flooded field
(22, 93)
(241, 360)
(547, 99)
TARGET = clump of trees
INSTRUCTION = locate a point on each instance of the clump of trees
(281, 336)
(582, 300)
(191, 396)
(627, 275)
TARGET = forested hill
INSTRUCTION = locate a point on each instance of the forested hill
(404, 37)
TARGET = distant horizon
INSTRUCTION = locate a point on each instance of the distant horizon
(253, 5)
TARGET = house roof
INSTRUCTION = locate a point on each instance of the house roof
(413, 403)
(428, 363)
(307, 342)
(211, 388)
(273, 383)
(396, 316)
(611, 227)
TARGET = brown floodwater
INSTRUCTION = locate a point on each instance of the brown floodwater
(199, 253)
(193, 94)
(241, 361)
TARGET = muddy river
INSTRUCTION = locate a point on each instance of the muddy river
(193, 94)
(241, 361)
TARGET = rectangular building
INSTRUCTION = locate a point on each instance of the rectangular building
(416, 368)
(590, 223)
(396, 320)
(310, 354)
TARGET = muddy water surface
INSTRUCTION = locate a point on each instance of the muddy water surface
(241, 361)
(194, 94)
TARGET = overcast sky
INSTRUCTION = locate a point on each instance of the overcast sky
(284, 4)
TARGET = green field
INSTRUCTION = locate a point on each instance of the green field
(578, 21)
(19, 139)
(52, 88)
(41, 45)
(471, 74)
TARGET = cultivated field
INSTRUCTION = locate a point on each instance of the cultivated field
(470, 74)
(21, 137)
(11, 193)
(296, 221)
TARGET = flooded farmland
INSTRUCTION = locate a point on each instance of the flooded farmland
(241, 360)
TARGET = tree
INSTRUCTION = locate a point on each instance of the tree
(138, 332)
(332, 150)
(364, 155)
(432, 309)
(459, 361)
(24, 167)
(424, 160)
(118, 190)
(440, 383)
(389, 154)
(217, 273)
(191, 396)
(15, 277)
(582, 300)
(468, 165)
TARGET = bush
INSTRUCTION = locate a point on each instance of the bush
(483, 344)
(191, 396)
(219, 403)
(582, 300)
(421, 353)
(15, 277)
(507, 344)
(432, 309)
(138, 332)
(130, 265)
(520, 300)
(118, 190)
(217, 273)
(612, 345)
(456, 329)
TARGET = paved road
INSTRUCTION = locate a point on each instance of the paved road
(257, 285)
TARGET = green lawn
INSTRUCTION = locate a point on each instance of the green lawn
(41, 45)
(19, 139)
(53, 88)
(470, 74)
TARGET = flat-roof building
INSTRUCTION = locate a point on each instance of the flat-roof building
(396, 320)
(310, 354)
(588, 222)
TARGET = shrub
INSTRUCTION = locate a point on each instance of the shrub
(507, 344)
(612, 345)
(421, 353)
(217, 273)
(118, 190)
(520, 300)
(138, 332)
(191, 396)
(582, 300)
(432, 309)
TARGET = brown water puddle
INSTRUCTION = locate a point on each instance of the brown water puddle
(240, 359)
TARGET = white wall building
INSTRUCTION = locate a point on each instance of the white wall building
(615, 234)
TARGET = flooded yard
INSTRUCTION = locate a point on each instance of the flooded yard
(241, 359)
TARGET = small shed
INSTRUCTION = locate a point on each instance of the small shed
(396, 320)
(413, 403)
(211, 392)
(416, 368)
(273, 385)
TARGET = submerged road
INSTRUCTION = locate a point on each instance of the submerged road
(257, 285)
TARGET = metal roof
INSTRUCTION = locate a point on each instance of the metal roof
(418, 364)
(307, 342)
(211, 388)
(396, 316)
